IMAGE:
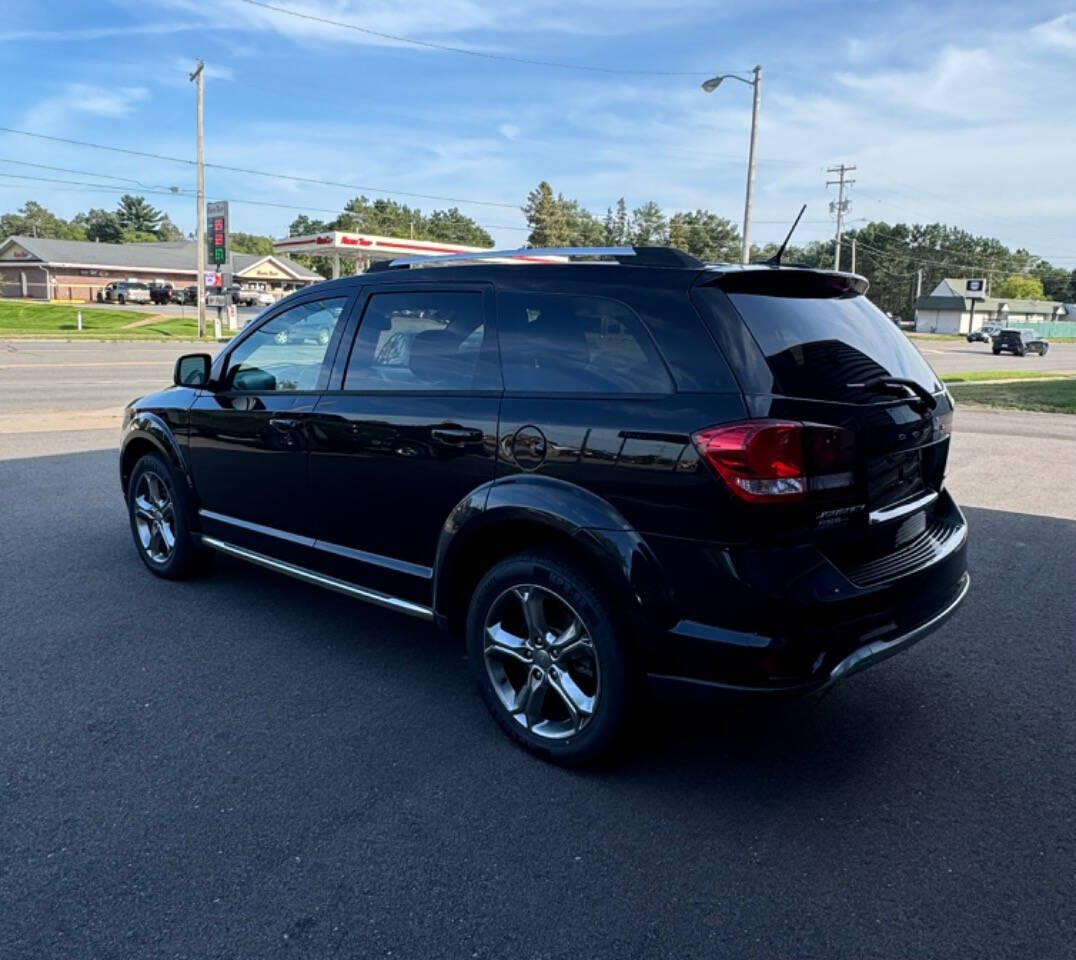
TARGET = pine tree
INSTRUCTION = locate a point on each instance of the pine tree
(546, 217)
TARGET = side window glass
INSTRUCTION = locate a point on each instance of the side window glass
(288, 352)
(567, 344)
(421, 341)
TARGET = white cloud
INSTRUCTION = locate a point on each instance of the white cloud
(51, 113)
(1059, 33)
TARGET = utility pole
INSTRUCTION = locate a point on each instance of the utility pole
(197, 78)
(918, 283)
(853, 254)
(841, 205)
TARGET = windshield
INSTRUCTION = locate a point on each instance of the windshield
(817, 346)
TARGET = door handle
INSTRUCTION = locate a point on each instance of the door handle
(284, 424)
(456, 434)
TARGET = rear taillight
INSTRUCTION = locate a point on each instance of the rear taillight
(769, 461)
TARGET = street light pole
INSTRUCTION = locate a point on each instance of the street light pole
(710, 86)
(196, 77)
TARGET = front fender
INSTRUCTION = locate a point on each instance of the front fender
(142, 427)
(566, 511)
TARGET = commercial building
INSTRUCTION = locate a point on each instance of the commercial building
(365, 248)
(949, 309)
(48, 269)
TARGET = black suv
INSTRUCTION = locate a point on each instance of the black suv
(597, 472)
(1019, 342)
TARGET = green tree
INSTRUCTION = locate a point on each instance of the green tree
(251, 243)
(705, 235)
(1019, 287)
(33, 220)
(168, 231)
(139, 236)
(617, 225)
(101, 225)
(451, 226)
(546, 217)
(304, 226)
(648, 226)
(136, 214)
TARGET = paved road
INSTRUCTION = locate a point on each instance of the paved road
(242, 766)
(958, 356)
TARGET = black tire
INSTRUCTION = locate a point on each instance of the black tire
(185, 557)
(613, 649)
(121, 299)
(1045, 347)
(996, 351)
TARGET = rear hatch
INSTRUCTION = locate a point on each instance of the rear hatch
(810, 349)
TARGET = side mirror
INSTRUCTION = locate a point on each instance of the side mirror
(192, 370)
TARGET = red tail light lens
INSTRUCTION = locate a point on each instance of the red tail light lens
(760, 460)
(767, 461)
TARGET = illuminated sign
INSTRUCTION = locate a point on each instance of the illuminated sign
(217, 221)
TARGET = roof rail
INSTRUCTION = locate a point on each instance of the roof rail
(636, 256)
(522, 253)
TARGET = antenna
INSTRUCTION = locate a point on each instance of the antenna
(775, 260)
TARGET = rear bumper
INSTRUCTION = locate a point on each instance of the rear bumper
(789, 622)
(861, 657)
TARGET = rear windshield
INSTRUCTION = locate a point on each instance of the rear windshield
(815, 347)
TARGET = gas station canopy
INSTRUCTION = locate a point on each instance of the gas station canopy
(365, 248)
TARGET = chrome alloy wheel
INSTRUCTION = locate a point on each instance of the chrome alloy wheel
(155, 517)
(541, 661)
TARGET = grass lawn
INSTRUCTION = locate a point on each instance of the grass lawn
(974, 376)
(21, 319)
(1054, 396)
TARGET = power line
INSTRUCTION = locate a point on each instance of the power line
(447, 48)
(84, 186)
(261, 173)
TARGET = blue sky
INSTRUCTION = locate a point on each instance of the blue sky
(957, 112)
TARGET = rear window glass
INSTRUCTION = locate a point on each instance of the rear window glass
(558, 343)
(815, 347)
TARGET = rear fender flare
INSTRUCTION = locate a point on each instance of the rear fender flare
(624, 559)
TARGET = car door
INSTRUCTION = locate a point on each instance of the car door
(249, 430)
(409, 432)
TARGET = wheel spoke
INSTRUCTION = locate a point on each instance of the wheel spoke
(153, 485)
(167, 536)
(530, 698)
(143, 508)
(533, 602)
(580, 706)
(501, 643)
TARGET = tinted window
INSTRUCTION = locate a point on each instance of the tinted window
(421, 341)
(816, 346)
(559, 343)
(287, 352)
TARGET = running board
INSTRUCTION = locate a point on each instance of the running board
(321, 580)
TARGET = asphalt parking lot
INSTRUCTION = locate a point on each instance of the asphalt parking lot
(243, 766)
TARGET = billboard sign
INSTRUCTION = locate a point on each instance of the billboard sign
(975, 289)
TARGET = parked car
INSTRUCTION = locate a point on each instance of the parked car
(724, 479)
(162, 293)
(984, 334)
(189, 295)
(1020, 342)
(260, 298)
(125, 292)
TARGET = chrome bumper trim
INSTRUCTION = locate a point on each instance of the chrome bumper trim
(871, 653)
(903, 509)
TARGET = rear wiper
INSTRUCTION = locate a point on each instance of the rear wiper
(914, 385)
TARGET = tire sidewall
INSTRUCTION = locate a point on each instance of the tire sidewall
(612, 651)
(179, 563)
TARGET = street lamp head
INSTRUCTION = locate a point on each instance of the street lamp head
(712, 84)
